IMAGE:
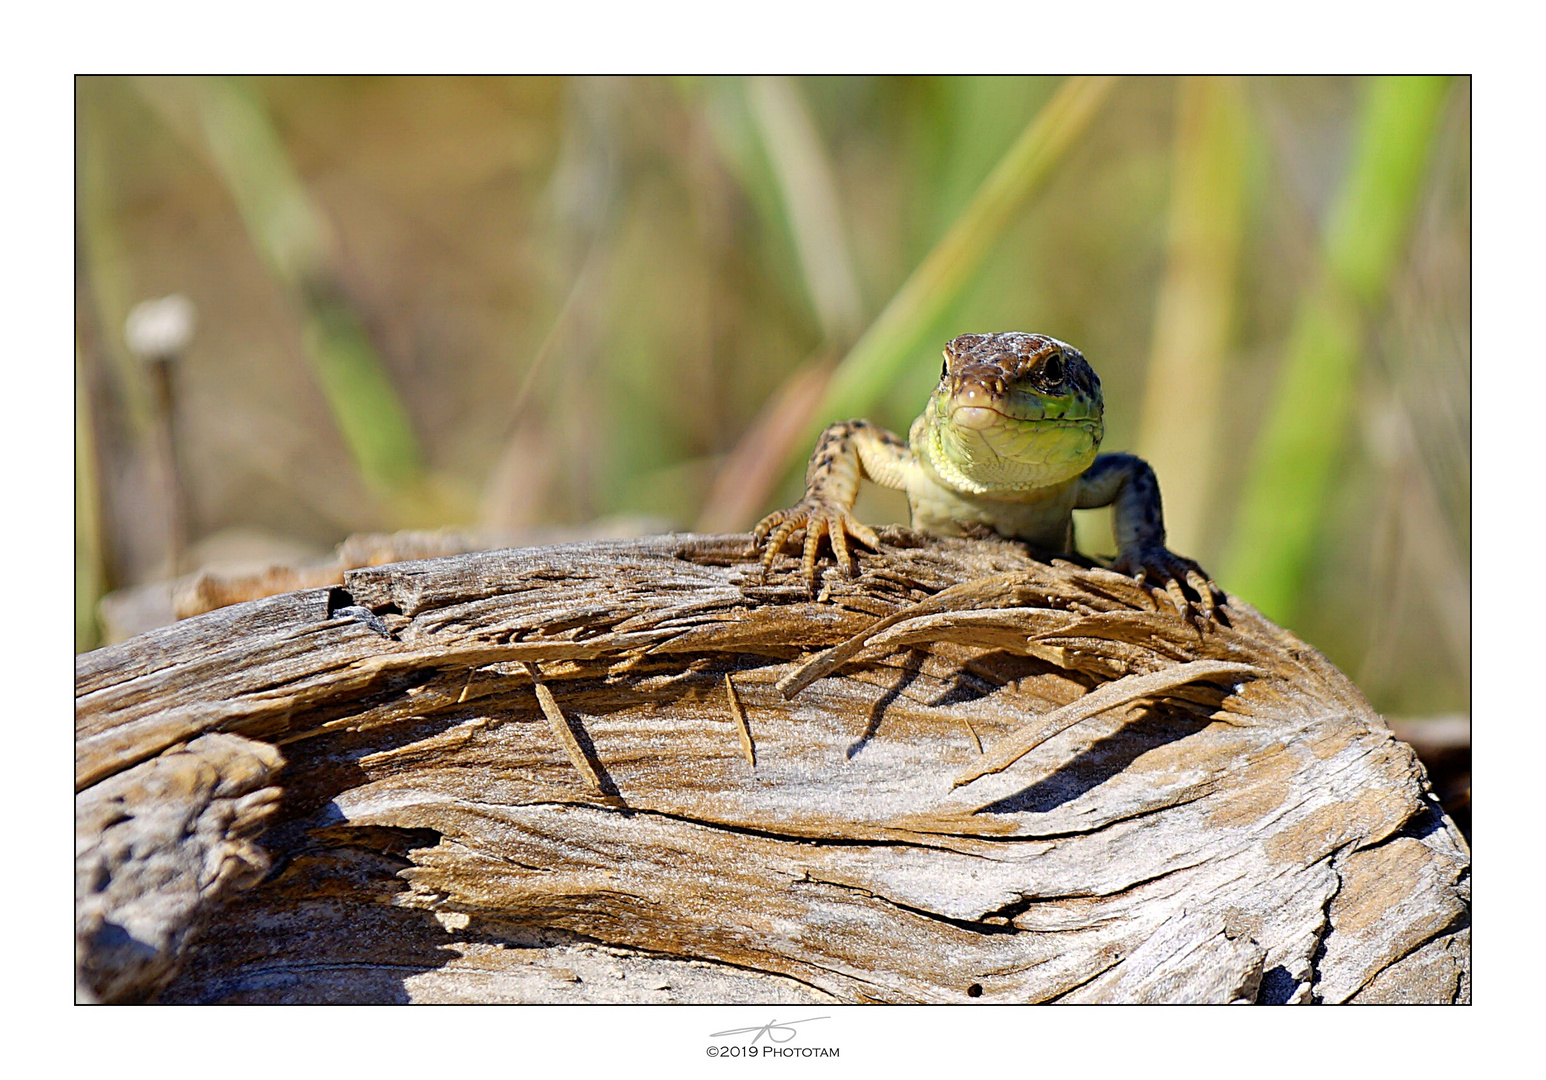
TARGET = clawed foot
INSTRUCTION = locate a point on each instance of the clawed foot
(817, 519)
(1175, 574)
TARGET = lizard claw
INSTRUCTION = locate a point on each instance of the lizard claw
(817, 518)
(1175, 574)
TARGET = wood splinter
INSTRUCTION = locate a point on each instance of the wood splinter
(742, 727)
(962, 596)
(560, 725)
(972, 731)
(1028, 737)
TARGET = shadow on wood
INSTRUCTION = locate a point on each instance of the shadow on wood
(572, 774)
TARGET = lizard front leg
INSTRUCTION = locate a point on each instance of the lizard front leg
(844, 453)
(1127, 484)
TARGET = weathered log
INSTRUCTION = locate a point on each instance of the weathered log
(573, 774)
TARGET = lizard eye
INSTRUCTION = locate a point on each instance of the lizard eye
(1052, 370)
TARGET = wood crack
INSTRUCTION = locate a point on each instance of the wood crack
(713, 811)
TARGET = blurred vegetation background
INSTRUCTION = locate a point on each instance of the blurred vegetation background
(605, 304)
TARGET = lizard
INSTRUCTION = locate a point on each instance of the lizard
(1008, 442)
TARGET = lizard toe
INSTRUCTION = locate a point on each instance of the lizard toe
(1207, 602)
(1177, 594)
(815, 528)
(781, 532)
(838, 530)
(817, 518)
(1174, 574)
(863, 533)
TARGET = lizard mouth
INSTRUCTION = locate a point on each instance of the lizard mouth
(976, 417)
(975, 406)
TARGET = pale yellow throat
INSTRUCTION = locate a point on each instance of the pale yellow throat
(980, 450)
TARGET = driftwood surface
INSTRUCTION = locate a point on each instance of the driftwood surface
(572, 774)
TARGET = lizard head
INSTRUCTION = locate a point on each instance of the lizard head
(1014, 411)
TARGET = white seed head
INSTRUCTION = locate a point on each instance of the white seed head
(160, 328)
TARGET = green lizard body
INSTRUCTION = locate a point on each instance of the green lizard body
(1008, 442)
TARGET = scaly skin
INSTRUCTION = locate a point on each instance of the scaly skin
(1007, 442)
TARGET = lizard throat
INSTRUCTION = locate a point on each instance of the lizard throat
(995, 455)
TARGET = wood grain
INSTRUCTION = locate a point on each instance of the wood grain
(1251, 832)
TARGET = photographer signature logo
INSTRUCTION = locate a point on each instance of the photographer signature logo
(775, 1031)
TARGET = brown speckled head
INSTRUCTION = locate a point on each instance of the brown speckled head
(1012, 411)
(999, 362)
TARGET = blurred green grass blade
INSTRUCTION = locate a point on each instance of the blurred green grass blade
(372, 419)
(286, 228)
(293, 235)
(1179, 427)
(973, 120)
(808, 190)
(103, 250)
(1367, 230)
(1301, 444)
(727, 111)
(90, 578)
(894, 339)
(229, 118)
